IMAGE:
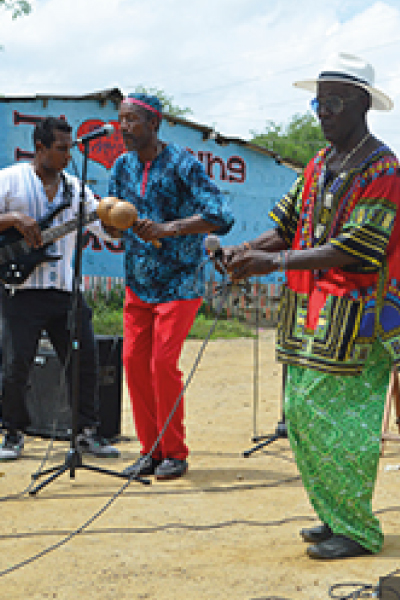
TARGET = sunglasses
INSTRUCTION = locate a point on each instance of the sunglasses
(332, 104)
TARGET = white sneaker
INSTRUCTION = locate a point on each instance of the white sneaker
(12, 446)
(90, 442)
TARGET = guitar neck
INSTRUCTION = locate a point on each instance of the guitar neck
(55, 233)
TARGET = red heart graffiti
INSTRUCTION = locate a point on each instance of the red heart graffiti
(105, 149)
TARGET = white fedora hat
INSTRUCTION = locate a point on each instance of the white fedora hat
(348, 68)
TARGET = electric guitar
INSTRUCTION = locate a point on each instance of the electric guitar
(18, 260)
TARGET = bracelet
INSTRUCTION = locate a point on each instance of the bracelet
(283, 260)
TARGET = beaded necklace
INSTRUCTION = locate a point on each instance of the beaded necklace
(324, 198)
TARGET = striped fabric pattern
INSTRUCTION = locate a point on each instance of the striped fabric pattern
(330, 319)
(22, 190)
(286, 213)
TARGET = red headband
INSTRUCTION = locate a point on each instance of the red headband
(128, 100)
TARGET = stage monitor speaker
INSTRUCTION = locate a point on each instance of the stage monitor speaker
(47, 400)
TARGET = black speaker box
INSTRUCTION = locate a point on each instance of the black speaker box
(47, 400)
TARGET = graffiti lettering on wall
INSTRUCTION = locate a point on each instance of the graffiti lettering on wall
(21, 118)
(106, 149)
(234, 170)
(90, 240)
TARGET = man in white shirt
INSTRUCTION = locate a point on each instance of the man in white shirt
(42, 301)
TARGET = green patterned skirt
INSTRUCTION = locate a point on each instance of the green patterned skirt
(334, 427)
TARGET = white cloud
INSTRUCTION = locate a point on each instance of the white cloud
(232, 61)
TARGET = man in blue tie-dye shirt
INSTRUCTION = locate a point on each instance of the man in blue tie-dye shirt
(177, 204)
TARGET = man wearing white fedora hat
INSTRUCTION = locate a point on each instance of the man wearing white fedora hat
(337, 237)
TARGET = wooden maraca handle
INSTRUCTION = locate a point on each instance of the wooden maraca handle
(123, 215)
(119, 214)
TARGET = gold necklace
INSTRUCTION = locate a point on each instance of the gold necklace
(325, 198)
(353, 151)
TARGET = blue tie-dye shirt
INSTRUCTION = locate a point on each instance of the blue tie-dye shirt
(174, 186)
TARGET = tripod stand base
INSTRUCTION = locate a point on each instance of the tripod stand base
(73, 461)
(280, 432)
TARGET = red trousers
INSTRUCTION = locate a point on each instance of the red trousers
(153, 339)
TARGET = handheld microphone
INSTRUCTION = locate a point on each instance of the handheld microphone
(108, 129)
(212, 244)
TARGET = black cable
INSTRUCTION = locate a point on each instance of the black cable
(70, 536)
(224, 287)
(96, 515)
(158, 528)
(102, 510)
(44, 460)
(364, 590)
(47, 454)
(360, 588)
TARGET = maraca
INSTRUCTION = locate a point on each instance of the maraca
(119, 214)
(122, 215)
(104, 207)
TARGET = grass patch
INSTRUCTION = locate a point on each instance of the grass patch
(225, 328)
(107, 320)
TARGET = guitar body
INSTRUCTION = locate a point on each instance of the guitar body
(17, 259)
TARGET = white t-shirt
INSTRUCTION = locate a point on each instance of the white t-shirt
(22, 190)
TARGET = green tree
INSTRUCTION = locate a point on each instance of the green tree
(18, 7)
(167, 101)
(297, 141)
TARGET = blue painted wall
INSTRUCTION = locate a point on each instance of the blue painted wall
(252, 180)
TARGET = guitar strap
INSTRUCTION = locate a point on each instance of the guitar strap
(67, 195)
(66, 202)
(67, 190)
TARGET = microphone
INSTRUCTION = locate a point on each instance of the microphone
(107, 129)
(212, 244)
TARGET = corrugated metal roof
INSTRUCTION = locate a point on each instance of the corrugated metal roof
(115, 95)
(210, 133)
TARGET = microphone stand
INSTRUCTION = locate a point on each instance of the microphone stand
(281, 429)
(213, 245)
(73, 459)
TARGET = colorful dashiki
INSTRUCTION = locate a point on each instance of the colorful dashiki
(341, 322)
(173, 186)
(328, 318)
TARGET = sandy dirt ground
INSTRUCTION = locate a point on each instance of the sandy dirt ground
(228, 530)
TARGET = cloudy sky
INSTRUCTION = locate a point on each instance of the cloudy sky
(231, 61)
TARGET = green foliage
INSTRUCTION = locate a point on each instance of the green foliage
(298, 141)
(225, 329)
(108, 320)
(100, 300)
(107, 311)
(167, 101)
(18, 7)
